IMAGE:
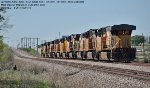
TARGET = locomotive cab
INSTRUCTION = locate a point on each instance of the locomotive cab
(121, 38)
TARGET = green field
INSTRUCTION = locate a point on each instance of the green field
(29, 50)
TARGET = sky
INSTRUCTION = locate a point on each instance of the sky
(46, 22)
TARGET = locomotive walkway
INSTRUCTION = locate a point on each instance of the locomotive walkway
(138, 72)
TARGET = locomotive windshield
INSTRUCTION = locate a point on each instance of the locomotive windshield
(121, 32)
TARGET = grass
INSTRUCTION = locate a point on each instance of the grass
(5, 54)
(27, 76)
(30, 71)
(18, 79)
(143, 57)
(6, 57)
(29, 50)
(23, 84)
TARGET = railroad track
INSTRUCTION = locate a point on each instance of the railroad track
(141, 75)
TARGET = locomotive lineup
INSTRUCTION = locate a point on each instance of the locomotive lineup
(106, 43)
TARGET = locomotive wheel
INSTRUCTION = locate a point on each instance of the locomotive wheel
(50, 55)
(66, 55)
(43, 55)
(94, 54)
(60, 55)
(55, 55)
(85, 55)
(47, 55)
(75, 55)
(98, 54)
(82, 55)
(109, 55)
(72, 53)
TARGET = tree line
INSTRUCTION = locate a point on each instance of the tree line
(140, 39)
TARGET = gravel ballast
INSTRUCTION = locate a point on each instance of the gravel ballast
(71, 77)
(119, 65)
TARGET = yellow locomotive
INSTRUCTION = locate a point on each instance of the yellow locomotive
(107, 43)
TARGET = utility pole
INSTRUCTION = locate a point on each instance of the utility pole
(37, 44)
(21, 42)
(17, 44)
(143, 42)
(33, 43)
(26, 42)
(30, 42)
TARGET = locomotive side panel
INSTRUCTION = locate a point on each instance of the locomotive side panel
(92, 42)
(81, 44)
(77, 42)
(71, 43)
(60, 47)
(55, 47)
(47, 48)
(108, 40)
(76, 45)
(98, 43)
(50, 48)
(103, 41)
(86, 44)
(66, 46)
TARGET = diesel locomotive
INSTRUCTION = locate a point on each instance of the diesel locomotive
(106, 43)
